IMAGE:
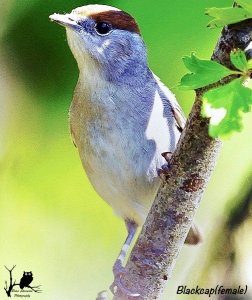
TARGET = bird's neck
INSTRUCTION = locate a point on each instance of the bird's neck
(130, 73)
(91, 75)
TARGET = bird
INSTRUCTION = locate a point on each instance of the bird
(122, 117)
(25, 280)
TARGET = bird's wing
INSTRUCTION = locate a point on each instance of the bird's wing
(179, 118)
(177, 112)
(22, 282)
(30, 280)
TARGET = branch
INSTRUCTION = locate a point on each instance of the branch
(170, 218)
(9, 289)
(35, 289)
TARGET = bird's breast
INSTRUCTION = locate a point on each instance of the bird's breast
(120, 141)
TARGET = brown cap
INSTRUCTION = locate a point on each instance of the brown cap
(103, 13)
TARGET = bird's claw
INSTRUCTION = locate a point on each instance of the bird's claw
(164, 171)
(117, 284)
(167, 156)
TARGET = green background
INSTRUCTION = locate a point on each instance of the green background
(52, 222)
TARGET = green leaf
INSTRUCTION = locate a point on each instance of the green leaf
(204, 72)
(238, 59)
(227, 15)
(249, 64)
(246, 4)
(224, 106)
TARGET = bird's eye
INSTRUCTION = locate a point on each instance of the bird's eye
(103, 28)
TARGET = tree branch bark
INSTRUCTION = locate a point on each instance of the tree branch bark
(170, 218)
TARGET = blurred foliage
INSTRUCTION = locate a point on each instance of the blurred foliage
(52, 221)
(226, 259)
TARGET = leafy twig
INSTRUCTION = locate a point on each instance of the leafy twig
(225, 103)
(230, 15)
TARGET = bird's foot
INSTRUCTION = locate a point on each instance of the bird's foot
(167, 156)
(164, 171)
(119, 271)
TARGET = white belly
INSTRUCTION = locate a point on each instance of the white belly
(121, 170)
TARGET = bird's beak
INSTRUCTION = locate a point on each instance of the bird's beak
(67, 20)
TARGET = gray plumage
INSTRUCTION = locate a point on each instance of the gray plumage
(122, 118)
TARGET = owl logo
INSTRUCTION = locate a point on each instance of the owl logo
(25, 280)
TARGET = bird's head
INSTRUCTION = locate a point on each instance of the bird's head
(106, 36)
